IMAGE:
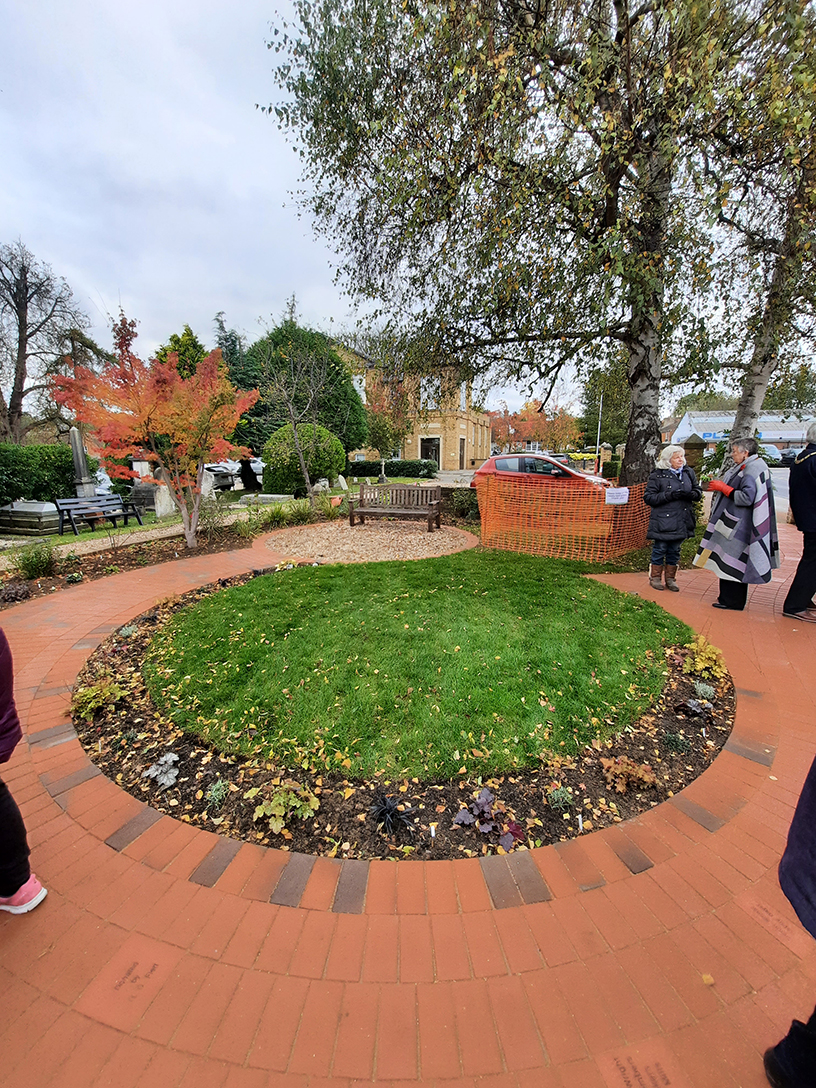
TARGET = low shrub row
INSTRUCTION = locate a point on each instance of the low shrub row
(279, 515)
(424, 470)
(37, 473)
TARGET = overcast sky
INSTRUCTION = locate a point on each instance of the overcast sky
(136, 164)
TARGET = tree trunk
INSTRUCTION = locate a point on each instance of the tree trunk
(777, 314)
(299, 451)
(643, 436)
(189, 512)
(646, 327)
(758, 374)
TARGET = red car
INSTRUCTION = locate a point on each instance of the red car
(538, 465)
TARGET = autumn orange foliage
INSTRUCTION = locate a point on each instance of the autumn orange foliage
(148, 411)
(555, 429)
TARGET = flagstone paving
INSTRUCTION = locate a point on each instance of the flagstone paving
(657, 952)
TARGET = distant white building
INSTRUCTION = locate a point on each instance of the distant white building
(776, 428)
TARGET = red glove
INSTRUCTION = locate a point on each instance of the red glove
(720, 485)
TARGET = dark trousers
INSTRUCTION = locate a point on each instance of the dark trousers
(796, 1053)
(803, 586)
(733, 594)
(14, 868)
(666, 551)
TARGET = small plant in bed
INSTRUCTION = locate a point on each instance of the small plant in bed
(38, 560)
(392, 815)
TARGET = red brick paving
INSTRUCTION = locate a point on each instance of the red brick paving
(661, 948)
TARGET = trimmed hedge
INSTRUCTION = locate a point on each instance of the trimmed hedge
(38, 473)
(425, 470)
(611, 470)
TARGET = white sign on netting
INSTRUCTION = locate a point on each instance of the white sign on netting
(616, 496)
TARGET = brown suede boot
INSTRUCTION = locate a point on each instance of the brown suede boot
(656, 576)
(671, 574)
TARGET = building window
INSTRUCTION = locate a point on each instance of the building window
(463, 397)
(358, 381)
(429, 391)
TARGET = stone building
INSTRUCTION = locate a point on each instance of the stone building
(446, 428)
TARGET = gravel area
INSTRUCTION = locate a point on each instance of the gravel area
(338, 542)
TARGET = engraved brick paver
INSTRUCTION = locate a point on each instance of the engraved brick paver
(165, 955)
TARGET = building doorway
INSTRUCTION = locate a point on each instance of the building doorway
(429, 450)
(461, 453)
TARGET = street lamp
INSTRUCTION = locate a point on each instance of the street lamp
(598, 438)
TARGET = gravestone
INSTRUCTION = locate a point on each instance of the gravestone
(85, 486)
(695, 448)
(165, 507)
(207, 484)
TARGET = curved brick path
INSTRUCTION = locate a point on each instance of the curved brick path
(658, 952)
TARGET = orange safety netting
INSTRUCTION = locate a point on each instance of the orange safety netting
(560, 519)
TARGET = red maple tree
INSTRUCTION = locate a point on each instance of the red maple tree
(148, 411)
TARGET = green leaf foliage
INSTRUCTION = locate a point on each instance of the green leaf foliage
(36, 560)
(323, 452)
(189, 349)
(335, 404)
(520, 184)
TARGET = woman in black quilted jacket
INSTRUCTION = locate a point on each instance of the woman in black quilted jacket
(671, 492)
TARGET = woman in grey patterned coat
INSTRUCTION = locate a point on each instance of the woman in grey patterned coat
(741, 543)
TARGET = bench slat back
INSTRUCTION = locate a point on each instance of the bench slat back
(408, 496)
(99, 502)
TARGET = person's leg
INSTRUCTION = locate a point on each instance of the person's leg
(14, 867)
(792, 1062)
(732, 595)
(672, 563)
(803, 586)
(658, 559)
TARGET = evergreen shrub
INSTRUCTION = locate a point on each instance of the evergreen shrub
(38, 473)
(322, 450)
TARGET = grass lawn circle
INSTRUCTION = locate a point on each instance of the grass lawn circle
(479, 659)
(429, 681)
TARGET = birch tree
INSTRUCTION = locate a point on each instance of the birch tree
(508, 175)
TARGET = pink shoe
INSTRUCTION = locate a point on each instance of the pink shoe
(26, 898)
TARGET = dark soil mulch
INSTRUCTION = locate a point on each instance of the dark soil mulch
(94, 565)
(567, 795)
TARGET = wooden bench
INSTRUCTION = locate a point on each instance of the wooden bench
(99, 508)
(397, 501)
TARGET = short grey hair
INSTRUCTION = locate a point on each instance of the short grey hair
(750, 445)
(665, 456)
(810, 433)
